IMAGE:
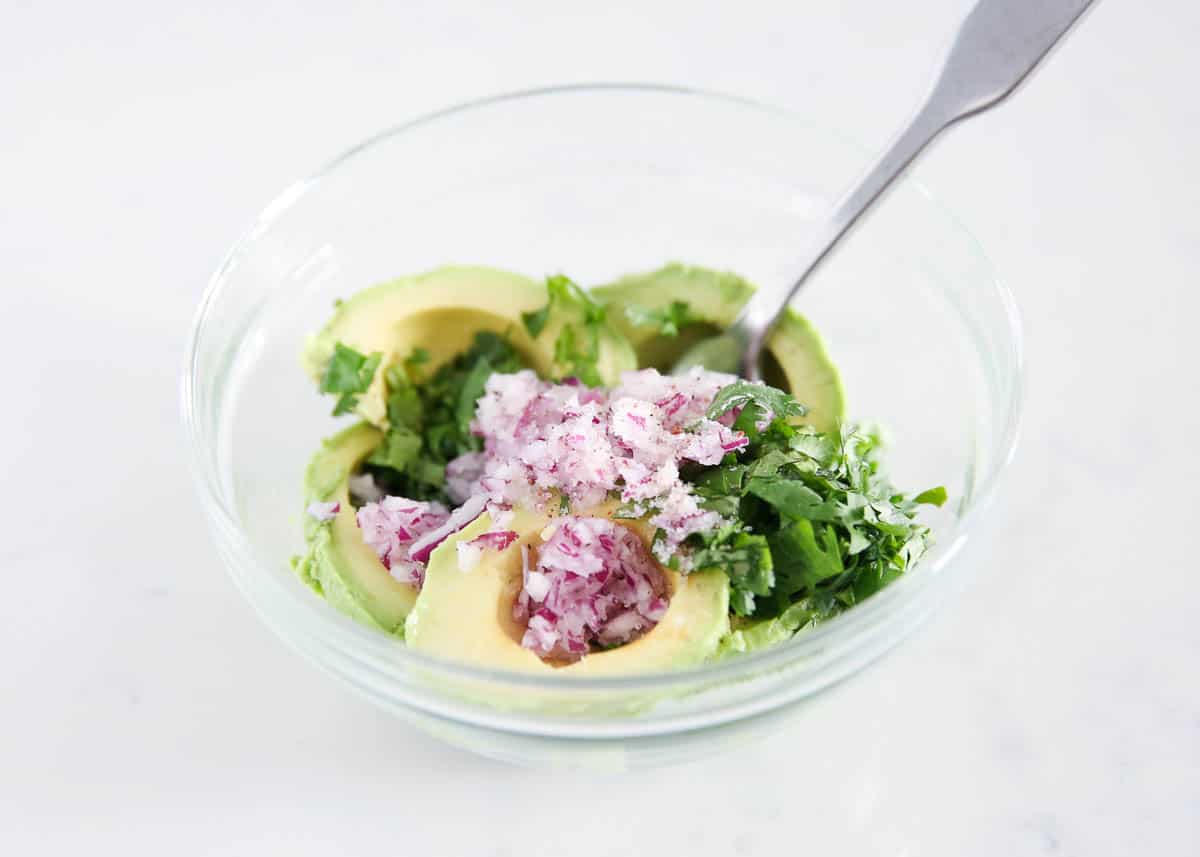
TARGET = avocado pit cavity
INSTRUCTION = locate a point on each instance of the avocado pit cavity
(593, 584)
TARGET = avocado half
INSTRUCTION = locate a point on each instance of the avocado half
(467, 615)
(338, 563)
(796, 361)
(441, 311)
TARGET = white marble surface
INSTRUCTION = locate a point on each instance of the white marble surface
(1053, 709)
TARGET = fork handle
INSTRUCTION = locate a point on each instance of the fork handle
(999, 43)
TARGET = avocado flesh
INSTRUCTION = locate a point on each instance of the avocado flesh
(338, 563)
(467, 615)
(441, 311)
(714, 299)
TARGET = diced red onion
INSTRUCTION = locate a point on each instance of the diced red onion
(393, 526)
(496, 540)
(462, 476)
(459, 518)
(594, 582)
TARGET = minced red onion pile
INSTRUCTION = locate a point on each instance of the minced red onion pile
(543, 441)
(593, 582)
(392, 526)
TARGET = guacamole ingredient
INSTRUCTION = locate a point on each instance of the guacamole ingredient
(521, 495)
(594, 583)
(836, 529)
(462, 474)
(666, 320)
(548, 443)
(455, 521)
(392, 525)
(429, 418)
(434, 316)
(576, 343)
(337, 562)
(348, 374)
(466, 614)
(469, 553)
(795, 359)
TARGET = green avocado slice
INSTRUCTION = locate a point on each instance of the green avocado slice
(797, 360)
(338, 564)
(467, 615)
(440, 312)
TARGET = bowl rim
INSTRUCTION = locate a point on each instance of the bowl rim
(833, 638)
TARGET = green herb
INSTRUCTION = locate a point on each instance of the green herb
(348, 374)
(834, 529)
(934, 496)
(667, 320)
(430, 419)
(630, 511)
(404, 404)
(747, 636)
(577, 342)
(565, 292)
(763, 401)
(745, 557)
(469, 394)
(414, 361)
(399, 448)
(535, 321)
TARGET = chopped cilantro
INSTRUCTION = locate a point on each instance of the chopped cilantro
(469, 394)
(399, 448)
(934, 496)
(535, 321)
(667, 321)
(414, 361)
(816, 522)
(564, 291)
(745, 557)
(766, 402)
(348, 374)
(430, 418)
(577, 342)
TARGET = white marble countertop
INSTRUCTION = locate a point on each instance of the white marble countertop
(1054, 708)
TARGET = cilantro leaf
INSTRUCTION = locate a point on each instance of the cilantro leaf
(807, 554)
(794, 499)
(471, 391)
(430, 417)
(399, 447)
(835, 529)
(745, 557)
(565, 291)
(414, 361)
(666, 320)
(932, 496)
(535, 321)
(760, 398)
(577, 342)
(405, 408)
(748, 636)
(348, 373)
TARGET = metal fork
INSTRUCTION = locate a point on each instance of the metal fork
(997, 46)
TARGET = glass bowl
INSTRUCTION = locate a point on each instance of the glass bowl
(598, 181)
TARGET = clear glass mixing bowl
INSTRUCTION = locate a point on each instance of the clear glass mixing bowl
(597, 181)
